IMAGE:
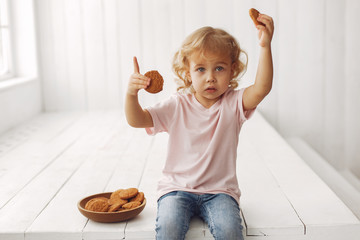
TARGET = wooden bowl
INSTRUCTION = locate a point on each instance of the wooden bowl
(107, 217)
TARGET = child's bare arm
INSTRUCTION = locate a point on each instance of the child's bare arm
(135, 115)
(254, 94)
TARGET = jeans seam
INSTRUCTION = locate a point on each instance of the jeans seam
(189, 215)
(210, 222)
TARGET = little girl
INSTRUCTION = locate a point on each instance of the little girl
(203, 121)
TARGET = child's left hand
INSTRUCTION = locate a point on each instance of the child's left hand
(265, 33)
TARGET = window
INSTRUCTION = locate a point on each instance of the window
(5, 71)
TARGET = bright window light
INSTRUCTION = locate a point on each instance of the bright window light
(5, 71)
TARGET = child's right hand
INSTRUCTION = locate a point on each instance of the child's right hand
(137, 81)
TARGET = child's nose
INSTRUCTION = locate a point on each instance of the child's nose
(211, 77)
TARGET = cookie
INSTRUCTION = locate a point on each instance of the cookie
(115, 207)
(115, 198)
(131, 205)
(138, 198)
(254, 14)
(99, 204)
(156, 83)
(128, 193)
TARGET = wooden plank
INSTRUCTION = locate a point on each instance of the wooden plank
(310, 71)
(223, 17)
(272, 179)
(34, 155)
(177, 36)
(60, 65)
(40, 190)
(285, 237)
(46, 53)
(352, 86)
(326, 236)
(266, 209)
(89, 178)
(75, 60)
(130, 37)
(317, 206)
(22, 210)
(40, 128)
(287, 39)
(177, 31)
(193, 17)
(94, 46)
(335, 180)
(127, 173)
(111, 48)
(47, 126)
(334, 90)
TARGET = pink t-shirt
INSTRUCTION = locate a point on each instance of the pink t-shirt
(202, 145)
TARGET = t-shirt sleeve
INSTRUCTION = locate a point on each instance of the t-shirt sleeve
(162, 115)
(244, 114)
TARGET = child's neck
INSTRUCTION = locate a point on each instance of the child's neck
(207, 103)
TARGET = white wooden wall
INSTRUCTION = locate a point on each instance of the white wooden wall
(86, 49)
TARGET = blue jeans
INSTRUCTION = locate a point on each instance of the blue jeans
(220, 211)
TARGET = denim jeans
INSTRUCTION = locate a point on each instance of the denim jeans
(220, 211)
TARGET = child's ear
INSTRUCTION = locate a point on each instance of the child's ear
(233, 67)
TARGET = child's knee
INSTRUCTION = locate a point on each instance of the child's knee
(227, 230)
(173, 218)
(168, 227)
(223, 217)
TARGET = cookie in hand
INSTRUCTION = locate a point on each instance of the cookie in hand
(254, 14)
(156, 83)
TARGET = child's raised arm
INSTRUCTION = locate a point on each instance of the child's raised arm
(254, 94)
(135, 115)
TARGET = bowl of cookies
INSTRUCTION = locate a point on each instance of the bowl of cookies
(117, 206)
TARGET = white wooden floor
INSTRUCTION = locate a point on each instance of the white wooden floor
(49, 164)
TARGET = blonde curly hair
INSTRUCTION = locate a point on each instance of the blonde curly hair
(208, 39)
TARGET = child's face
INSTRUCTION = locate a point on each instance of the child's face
(210, 76)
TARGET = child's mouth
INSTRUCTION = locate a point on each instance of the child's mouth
(210, 90)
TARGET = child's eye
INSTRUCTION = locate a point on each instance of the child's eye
(200, 69)
(219, 68)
